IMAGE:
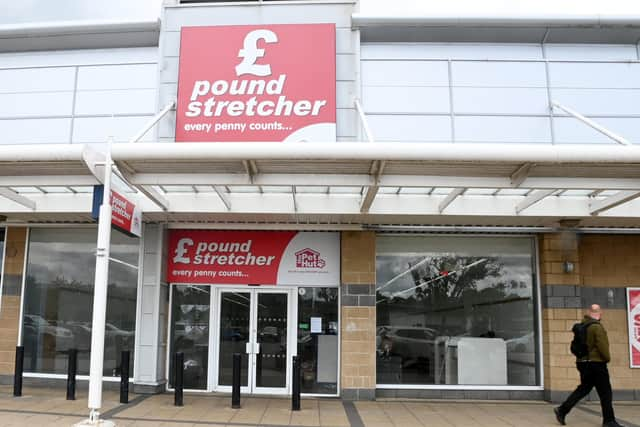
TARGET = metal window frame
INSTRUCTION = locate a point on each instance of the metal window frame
(536, 296)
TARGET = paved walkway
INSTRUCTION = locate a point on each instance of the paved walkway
(48, 407)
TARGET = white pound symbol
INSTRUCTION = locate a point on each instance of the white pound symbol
(181, 250)
(250, 53)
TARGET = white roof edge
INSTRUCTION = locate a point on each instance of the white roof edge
(194, 151)
(573, 153)
(500, 20)
(42, 152)
(46, 29)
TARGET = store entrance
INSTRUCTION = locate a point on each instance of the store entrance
(266, 325)
(254, 323)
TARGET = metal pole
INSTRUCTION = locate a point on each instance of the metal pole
(178, 368)
(617, 138)
(295, 392)
(71, 374)
(363, 120)
(155, 119)
(100, 298)
(124, 377)
(19, 368)
(235, 388)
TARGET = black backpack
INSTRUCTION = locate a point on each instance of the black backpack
(579, 343)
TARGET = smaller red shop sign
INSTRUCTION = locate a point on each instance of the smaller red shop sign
(125, 215)
(633, 312)
(254, 257)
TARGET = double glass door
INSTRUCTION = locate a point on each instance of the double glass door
(266, 326)
(254, 323)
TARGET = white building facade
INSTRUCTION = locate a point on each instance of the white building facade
(448, 187)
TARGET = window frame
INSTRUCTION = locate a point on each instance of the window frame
(537, 317)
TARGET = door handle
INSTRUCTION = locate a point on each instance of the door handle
(247, 348)
(257, 348)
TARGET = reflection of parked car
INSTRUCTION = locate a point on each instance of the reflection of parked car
(269, 334)
(523, 344)
(38, 326)
(407, 342)
(113, 331)
(232, 334)
(81, 332)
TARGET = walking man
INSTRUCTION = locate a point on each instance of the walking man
(593, 371)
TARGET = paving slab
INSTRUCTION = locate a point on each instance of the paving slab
(48, 407)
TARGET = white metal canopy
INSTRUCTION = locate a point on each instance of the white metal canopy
(334, 183)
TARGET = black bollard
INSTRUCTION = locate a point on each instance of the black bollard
(72, 367)
(295, 387)
(124, 377)
(178, 367)
(235, 388)
(17, 374)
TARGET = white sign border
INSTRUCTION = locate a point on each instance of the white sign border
(630, 326)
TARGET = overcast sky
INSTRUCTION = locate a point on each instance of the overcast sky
(20, 11)
(501, 6)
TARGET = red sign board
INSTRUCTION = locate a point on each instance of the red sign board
(257, 83)
(253, 257)
(125, 215)
(633, 299)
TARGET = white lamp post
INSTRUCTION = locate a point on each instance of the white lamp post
(100, 303)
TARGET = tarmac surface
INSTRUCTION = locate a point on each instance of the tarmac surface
(48, 407)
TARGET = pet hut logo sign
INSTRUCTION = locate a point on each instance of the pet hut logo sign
(254, 257)
(257, 83)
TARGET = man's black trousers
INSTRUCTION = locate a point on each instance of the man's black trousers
(592, 374)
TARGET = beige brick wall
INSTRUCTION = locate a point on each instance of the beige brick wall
(15, 240)
(358, 249)
(611, 261)
(358, 348)
(358, 330)
(555, 249)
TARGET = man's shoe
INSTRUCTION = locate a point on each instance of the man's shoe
(560, 416)
(613, 423)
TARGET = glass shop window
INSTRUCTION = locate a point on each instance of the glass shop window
(456, 310)
(58, 300)
(190, 309)
(318, 339)
(1, 251)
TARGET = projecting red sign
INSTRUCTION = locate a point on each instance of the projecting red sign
(254, 257)
(257, 83)
(125, 215)
(633, 299)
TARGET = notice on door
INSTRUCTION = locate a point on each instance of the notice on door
(633, 312)
(316, 325)
(254, 257)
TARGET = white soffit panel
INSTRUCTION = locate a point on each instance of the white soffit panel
(336, 182)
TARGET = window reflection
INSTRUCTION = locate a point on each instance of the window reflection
(58, 301)
(190, 333)
(318, 339)
(1, 251)
(455, 310)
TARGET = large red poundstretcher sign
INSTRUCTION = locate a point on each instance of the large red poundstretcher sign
(633, 312)
(254, 257)
(257, 83)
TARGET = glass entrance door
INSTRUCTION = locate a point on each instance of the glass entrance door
(255, 324)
